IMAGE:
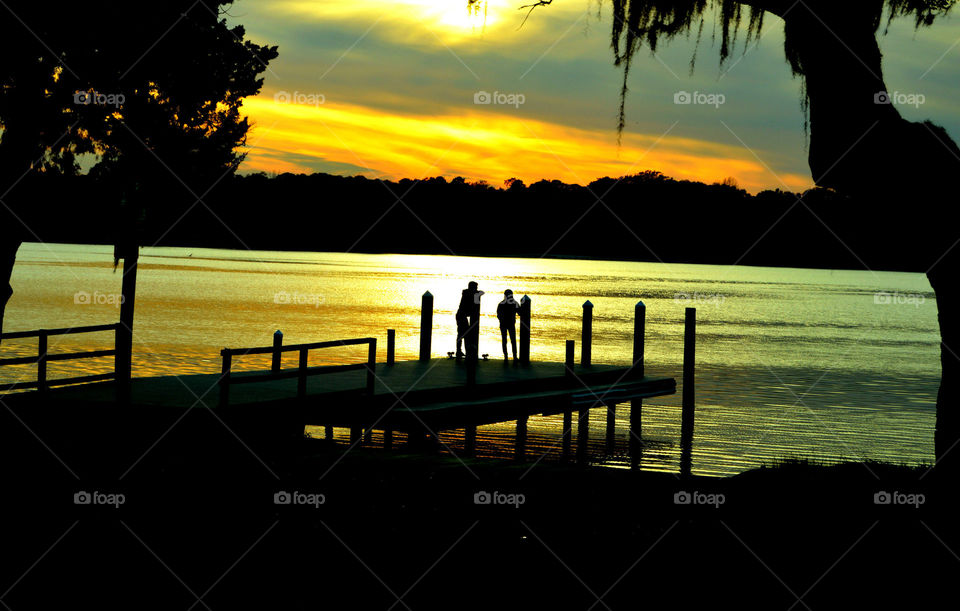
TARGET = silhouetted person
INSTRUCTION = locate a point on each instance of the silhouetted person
(507, 311)
(467, 314)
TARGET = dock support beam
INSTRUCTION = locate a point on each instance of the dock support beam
(525, 329)
(470, 440)
(583, 435)
(586, 335)
(611, 427)
(277, 344)
(639, 331)
(568, 368)
(567, 435)
(521, 449)
(426, 325)
(689, 390)
(391, 346)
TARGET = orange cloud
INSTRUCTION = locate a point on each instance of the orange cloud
(488, 143)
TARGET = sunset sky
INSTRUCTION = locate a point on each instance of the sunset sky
(387, 89)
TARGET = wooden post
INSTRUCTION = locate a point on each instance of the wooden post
(328, 433)
(277, 344)
(124, 357)
(586, 334)
(391, 346)
(583, 434)
(521, 441)
(302, 373)
(639, 330)
(387, 439)
(225, 377)
(356, 435)
(525, 329)
(568, 369)
(371, 366)
(611, 427)
(636, 429)
(426, 325)
(42, 361)
(567, 435)
(470, 440)
(689, 390)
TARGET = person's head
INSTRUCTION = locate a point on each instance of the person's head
(472, 285)
(508, 293)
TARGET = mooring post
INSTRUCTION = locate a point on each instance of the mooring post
(225, 377)
(42, 362)
(639, 330)
(328, 433)
(277, 344)
(371, 366)
(636, 405)
(470, 440)
(525, 329)
(689, 389)
(302, 373)
(123, 360)
(387, 439)
(583, 434)
(611, 427)
(391, 346)
(567, 434)
(586, 334)
(426, 325)
(521, 447)
(568, 368)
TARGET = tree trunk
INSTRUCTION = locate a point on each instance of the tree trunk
(8, 256)
(898, 171)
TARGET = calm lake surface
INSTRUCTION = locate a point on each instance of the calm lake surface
(826, 364)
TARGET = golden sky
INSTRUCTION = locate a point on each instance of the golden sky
(395, 89)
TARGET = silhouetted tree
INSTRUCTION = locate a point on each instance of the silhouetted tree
(150, 93)
(859, 144)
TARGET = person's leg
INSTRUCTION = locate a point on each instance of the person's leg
(513, 341)
(461, 334)
(503, 338)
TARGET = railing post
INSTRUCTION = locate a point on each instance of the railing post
(371, 365)
(525, 329)
(42, 361)
(277, 344)
(426, 325)
(391, 346)
(225, 377)
(302, 371)
(689, 389)
(568, 365)
(586, 334)
(124, 344)
(639, 331)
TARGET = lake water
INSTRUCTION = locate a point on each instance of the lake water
(827, 364)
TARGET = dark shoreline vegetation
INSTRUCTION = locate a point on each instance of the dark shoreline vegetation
(644, 217)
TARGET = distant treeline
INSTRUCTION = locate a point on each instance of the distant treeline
(645, 217)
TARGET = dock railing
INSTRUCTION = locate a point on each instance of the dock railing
(302, 372)
(43, 357)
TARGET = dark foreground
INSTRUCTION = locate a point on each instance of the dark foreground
(199, 527)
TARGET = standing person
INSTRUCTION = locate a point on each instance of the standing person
(507, 311)
(467, 313)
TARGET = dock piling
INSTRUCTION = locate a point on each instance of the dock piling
(525, 329)
(586, 334)
(42, 362)
(689, 391)
(225, 378)
(639, 331)
(371, 365)
(277, 344)
(568, 369)
(391, 346)
(302, 377)
(426, 325)
(567, 435)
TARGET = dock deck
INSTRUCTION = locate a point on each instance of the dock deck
(406, 394)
